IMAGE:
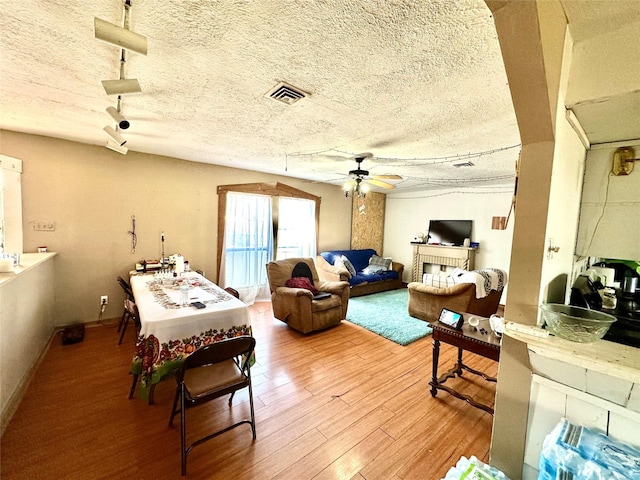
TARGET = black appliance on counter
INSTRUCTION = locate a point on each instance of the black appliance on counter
(626, 330)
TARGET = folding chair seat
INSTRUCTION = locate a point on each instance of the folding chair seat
(210, 372)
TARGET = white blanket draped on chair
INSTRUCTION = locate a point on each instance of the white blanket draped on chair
(485, 280)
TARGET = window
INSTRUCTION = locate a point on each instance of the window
(248, 244)
(260, 222)
(10, 205)
(296, 234)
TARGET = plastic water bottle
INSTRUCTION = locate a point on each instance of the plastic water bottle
(184, 293)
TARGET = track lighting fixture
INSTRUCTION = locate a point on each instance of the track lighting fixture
(122, 122)
(115, 136)
(117, 148)
(124, 38)
(121, 87)
(119, 36)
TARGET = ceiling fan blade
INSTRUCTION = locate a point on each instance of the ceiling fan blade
(379, 183)
(387, 177)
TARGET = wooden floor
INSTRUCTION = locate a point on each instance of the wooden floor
(340, 404)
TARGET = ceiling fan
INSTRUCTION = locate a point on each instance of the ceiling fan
(359, 176)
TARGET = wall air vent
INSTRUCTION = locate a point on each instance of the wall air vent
(286, 93)
(464, 164)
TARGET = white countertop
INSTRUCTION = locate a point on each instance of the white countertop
(27, 262)
(602, 356)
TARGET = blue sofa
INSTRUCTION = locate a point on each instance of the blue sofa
(361, 283)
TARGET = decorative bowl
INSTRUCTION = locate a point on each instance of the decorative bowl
(576, 323)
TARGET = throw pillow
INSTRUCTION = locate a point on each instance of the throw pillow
(438, 281)
(372, 269)
(301, 282)
(377, 261)
(338, 263)
(348, 265)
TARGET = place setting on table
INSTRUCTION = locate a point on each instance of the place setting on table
(178, 315)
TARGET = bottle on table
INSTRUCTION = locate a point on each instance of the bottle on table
(184, 292)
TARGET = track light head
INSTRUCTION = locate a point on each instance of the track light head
(121, 87)
(122, 122)
(117, 148)
(115, 136)
(119, 36)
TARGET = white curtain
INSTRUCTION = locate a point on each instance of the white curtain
(296, 228)
(247, 245)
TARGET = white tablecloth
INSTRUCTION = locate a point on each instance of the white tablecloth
(222, 310)
(170, 332)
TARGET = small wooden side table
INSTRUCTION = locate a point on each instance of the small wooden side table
(467, 339)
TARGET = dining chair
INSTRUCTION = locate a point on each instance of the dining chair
(210, 372)
(131, 311)
(128, 295)
(232, 291)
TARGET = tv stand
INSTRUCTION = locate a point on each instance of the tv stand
(460, 257)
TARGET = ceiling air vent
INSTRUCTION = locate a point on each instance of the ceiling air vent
(465, 164)
(286, 93)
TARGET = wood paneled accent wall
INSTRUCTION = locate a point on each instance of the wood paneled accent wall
(367, 225)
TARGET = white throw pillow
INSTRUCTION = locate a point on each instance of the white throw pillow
(338, 263)
(437, 280)
(348, 265)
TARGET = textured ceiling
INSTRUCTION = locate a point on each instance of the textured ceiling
(418, 84)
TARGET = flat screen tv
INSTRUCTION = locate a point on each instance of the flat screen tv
(449, 232)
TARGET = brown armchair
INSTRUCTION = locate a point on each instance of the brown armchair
(296, 306)
(426, 301)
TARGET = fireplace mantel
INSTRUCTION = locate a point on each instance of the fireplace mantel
(460, 257)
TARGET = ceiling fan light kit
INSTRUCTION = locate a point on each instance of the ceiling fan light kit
(355, 189)
(359, 186)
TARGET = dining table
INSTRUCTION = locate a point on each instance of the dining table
(171, 329)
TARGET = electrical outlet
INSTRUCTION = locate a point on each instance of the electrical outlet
(104, 299)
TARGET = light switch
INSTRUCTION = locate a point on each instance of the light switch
(44, 226)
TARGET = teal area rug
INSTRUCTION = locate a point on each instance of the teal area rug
(386, 314)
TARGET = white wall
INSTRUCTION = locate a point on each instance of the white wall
(25, 326)
(409, 213)
(89, 193)
(564, 197)
(610, 209)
